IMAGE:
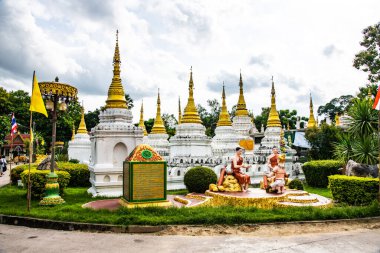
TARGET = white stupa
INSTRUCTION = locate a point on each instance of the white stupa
(158, 138)
(226, 138)
(242, 122)
(112, 139)
(190, 144)
(80, 144)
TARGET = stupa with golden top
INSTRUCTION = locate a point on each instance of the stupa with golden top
(190, 144)
(226, 138)
(80, 145)
(158, 138)
(113, 138)
(242, 122)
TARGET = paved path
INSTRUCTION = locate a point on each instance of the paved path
(5, 179)
(22, 239)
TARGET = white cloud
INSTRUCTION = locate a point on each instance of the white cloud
(160, 40)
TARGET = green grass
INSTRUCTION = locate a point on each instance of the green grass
(325, 192)
(13, 202)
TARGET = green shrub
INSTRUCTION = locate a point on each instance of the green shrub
(296, 184)
(38, 181)
(354, 190)
(79, 173)
(16, 171)
(73, 161)
(316, 172)
(198, 179)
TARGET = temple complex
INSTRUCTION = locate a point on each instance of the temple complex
(112, 139)
(80, 144)
(158, 138)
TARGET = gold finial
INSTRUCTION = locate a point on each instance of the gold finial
(273, 118)
(141, 123)
(288, 126)
(241, 109)
(179, 111)
(369, 94)
(224, 116)
(73, 136)
(191, 114)
(311, 122)
(337, 119)
(158, 126)
(82, 125)
(116, 96)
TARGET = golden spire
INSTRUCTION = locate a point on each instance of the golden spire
(311, 122)
(369, 94)
(191, 114)
(224, 116)
(241, 109)
(337, 119)
(273, 118)
(179, 111)
(82, 125)
(158, 126)
(73, 136)
(116, 96)
(141, 123)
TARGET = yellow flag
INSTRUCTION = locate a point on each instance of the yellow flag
(36, 102)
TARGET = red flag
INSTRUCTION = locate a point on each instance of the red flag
(376, 104)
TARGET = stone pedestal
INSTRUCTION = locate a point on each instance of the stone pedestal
(111, 142)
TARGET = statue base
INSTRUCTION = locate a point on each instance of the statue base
(163, 203)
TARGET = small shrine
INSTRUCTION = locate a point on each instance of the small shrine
(144, 178)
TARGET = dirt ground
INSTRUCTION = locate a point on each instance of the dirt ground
(270, 230)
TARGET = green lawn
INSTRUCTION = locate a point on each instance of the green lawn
(325, 192)
(13, 202)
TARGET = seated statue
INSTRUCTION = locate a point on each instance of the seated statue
(271, 177)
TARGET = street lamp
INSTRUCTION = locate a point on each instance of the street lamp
(57, 96)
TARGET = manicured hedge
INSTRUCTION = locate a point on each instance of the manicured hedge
(198, 179)
(79, 174)
(16, 171)
(316, 172)
(354, 190)
(38, 181)
(296, 184)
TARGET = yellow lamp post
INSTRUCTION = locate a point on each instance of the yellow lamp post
(57, 96)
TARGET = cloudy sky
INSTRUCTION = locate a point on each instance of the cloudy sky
(308, 46)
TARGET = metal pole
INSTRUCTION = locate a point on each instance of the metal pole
(378, 134)
(53, 134)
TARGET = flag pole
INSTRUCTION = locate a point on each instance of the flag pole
(29, 195)
(11, 153)
(378, 135)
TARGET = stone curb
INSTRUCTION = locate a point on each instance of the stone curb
(93, 227)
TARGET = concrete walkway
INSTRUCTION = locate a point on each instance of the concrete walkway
(5, 179)
(22, 239)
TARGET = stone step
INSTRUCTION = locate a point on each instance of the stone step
(321, 201)
(302, 199)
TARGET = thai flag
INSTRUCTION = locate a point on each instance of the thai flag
(14, 125)
(376, 104)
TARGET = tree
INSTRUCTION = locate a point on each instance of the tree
(336, 106)
(287, 116)
(129, 101)
(5, 126)
(262, 119)
(368, 60)
(360, 143)
(170, 123)
(92, 118)
(210, 118)
(20, 102)
(322, 141)
(5, 104)
(369, 88)
(149, 124)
